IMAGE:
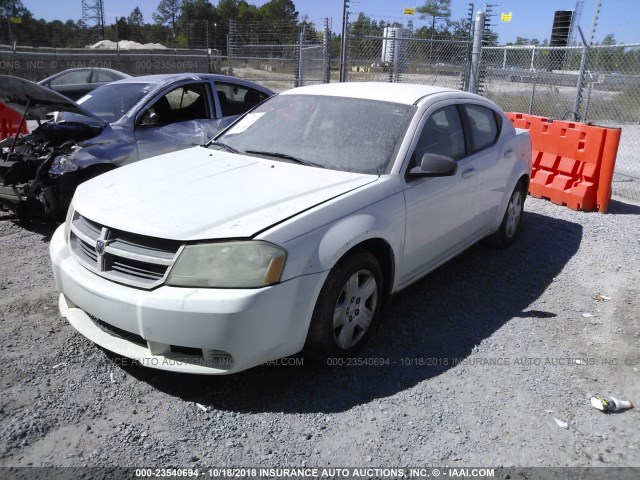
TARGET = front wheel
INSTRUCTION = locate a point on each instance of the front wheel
(510, 226)
(348, 305)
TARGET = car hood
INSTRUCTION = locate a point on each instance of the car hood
(198, 194)
(16, 92)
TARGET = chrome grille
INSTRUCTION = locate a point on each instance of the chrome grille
(123, 257)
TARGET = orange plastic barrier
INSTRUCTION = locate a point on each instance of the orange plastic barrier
(9, 122)
(572, 162)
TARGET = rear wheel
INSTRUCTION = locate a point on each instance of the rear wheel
(348, 305)
(510, 226)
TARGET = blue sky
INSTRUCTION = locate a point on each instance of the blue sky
(531, 18)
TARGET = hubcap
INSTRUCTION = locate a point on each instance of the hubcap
(514, 210)
(354, 309)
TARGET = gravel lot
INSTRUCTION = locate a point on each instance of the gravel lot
(481, 358)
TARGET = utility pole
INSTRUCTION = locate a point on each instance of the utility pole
(344, 43)
(476, 52)
(93, 12)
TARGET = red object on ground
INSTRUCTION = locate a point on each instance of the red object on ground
(573, 162)
(9, 122)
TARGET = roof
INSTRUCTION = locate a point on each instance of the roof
(405, 93)
(164, 78)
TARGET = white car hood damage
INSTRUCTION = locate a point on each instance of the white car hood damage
(199, 193)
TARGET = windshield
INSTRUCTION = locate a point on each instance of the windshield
(111, 102)
(339, 133)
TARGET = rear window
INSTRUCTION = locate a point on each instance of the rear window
(484, 126)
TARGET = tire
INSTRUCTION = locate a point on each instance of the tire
(510, 226)
(347, 307)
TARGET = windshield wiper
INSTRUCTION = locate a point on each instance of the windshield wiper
(285, 156)
(228, 148)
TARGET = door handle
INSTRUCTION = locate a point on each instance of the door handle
(469, 173)
(508, 152)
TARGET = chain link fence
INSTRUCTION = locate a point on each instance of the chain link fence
(398, 57)
(599, 85)
(278, 56)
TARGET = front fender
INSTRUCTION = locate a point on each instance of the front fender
(320, 249)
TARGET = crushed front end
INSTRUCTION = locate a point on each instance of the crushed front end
(27, 186)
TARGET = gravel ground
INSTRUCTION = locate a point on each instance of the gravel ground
(482, 355)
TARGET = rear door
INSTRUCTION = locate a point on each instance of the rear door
(484, 126)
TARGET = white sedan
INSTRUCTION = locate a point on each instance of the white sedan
(289, 231)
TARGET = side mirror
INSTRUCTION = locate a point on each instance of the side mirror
(149, 119)
(434, 165)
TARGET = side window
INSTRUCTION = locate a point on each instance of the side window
(442, 134)
(484, 126)
(237, 99)
(99, 76)
(72, 78)
(187, 102)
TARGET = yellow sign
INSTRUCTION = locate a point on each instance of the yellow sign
(15, 19)
(409, 11)
(506, 17)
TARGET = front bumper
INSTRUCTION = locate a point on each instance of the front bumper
(190, 330)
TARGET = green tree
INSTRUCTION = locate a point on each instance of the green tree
(167, 13)
(461, 28)
(279, 10)
(609, 39)
(248, 12)
(123, 32)
(135, 23)
(13, 9)
(195, 18)
(228, 10)
(363, 25)
(14, 19)
(438, 12)
(135, 17)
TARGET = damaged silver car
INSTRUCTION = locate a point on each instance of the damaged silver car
(114, 125)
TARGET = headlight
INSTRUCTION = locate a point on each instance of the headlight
(62, 164)
(67, 222)
(249, 264)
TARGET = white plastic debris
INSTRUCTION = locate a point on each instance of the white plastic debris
(58, 365)
(561, 424)
(550, 411)
(202, 407)
(599, 298)
(112, 379)
(587, 315)
(610, 404)
(579, 362)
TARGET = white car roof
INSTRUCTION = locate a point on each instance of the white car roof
(405, 93)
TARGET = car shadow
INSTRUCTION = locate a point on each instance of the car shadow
(424, 330)
(617, 207)
(46, 228)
